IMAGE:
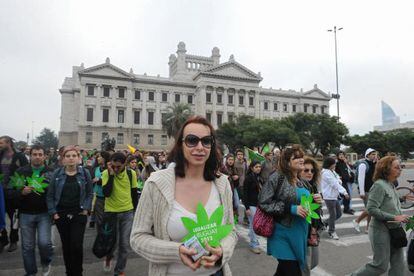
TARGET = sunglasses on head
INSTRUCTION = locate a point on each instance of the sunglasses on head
(309, 170)
(192, 141)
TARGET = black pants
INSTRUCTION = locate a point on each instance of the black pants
(71, 232)
(13, 236)
(345, 201)
(288, 268)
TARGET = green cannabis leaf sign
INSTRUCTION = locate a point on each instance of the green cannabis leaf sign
(410, 224)
(307, 203)
(37, 183)
(207, 230)
(19, 182)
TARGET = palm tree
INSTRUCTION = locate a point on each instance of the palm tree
(177, 114)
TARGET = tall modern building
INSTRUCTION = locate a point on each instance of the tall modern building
(390, 120)
(388, 115)
(106, 100)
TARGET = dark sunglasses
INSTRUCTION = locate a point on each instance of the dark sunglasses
(192, 141)
(309, 170)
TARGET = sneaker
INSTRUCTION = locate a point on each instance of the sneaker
(120, 274)
(12, 247)
(333, 236)
(107, 266)
(46, 270)
(256, 250)
(356, 226)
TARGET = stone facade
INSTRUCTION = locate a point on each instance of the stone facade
(106, 100)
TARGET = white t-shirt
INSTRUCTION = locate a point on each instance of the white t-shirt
(177, 232)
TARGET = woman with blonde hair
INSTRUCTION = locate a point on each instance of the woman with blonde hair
(69, 201)
(174, 193)
(385, 208)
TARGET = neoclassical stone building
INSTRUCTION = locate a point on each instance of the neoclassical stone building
(106, 100)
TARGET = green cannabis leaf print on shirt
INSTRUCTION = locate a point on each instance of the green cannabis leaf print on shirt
(207, 229)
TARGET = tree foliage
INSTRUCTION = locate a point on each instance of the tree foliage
(317, 133)
(176, 116)
(47, 138)
(400, 141)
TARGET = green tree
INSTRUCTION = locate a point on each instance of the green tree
(401, 141)
(374, 139)
(232, 133)
(326, 134)
(47, 138)
(177, 114)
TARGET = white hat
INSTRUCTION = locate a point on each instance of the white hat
(369, 151)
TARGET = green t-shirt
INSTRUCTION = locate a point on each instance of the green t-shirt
(36, 171)
(120, 199)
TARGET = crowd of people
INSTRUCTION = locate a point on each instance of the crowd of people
(147, 194)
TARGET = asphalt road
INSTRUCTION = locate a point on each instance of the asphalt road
(340, 257)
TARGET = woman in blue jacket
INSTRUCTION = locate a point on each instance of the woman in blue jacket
(69, 201)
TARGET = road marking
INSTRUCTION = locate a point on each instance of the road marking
(318, 271)
(349, 240)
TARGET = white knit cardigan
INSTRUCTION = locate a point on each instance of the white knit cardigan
(149, 237)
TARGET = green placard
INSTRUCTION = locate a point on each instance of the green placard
(307, 203)
(207, 229)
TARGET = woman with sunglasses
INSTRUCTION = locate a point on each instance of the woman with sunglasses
(312, 174)
(281, 197)
(174, 193)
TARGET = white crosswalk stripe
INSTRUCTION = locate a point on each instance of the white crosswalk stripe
(348, 236)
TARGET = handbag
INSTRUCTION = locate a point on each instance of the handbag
(263, 223)
(106, 239)
(398, 237)
(313, 239)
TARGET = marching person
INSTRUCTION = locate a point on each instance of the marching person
(331, 186)
(281, 197)
(33, 216)
(312, 174)
(385, 208)
(69, 200)
(365, 171)
(119, 185)
(252, 185)
(10, 161)
(175, 192)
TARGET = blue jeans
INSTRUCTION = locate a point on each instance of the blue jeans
(236, 199)
(29, 225)
(254, 242)
(125, 220)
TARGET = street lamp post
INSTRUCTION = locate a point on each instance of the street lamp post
(336, 96)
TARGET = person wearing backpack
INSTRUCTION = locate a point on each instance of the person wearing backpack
(120, 186)
(364, 178)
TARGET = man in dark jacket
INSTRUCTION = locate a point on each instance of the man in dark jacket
(344, 171)
(10, 161)
(34, 216)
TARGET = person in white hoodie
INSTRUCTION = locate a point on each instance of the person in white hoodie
(331, 189)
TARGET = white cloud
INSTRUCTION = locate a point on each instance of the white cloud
(286, 41)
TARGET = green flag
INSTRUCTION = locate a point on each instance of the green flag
(252, 155)
(265, 148)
